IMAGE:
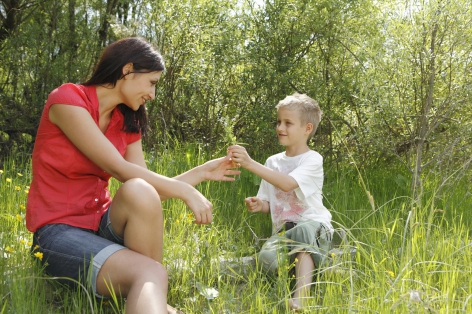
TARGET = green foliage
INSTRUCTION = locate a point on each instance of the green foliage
(393, 79)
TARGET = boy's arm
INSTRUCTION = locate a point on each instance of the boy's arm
(278, 179)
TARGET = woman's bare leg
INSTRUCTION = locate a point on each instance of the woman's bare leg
(140, 279)
(136, 216)
(137, 273)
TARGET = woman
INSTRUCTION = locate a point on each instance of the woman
(88, 133)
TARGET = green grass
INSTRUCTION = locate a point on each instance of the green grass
(408, 260)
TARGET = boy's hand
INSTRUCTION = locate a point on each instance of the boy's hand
(253, 204)
(239, 155)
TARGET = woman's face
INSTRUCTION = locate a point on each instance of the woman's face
(137, 88)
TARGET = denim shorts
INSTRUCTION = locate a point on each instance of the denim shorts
(75, 255)
(309, 236)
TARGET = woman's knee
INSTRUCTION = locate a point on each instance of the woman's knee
(138, 194)
(126, 269)
(135, 200)
(154, 272)
(139, 189)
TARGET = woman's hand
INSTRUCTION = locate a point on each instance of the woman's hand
(201, 207)
(220, 169)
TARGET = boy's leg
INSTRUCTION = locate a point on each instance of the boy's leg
(268, 256)
(304, 268)
(136, 217)
(310, 242)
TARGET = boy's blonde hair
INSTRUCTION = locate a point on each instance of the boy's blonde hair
(308, 108)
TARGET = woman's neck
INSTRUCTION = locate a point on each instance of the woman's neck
(108, 100)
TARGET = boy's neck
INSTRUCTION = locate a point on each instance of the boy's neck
(292, 151)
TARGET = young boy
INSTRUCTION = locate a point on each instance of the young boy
(291, 191)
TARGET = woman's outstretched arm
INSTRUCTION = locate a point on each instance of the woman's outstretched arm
(83, 132)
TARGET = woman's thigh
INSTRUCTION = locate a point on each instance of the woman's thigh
(73, 254)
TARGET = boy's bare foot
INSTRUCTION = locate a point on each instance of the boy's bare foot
(172, 310)
(295, 305)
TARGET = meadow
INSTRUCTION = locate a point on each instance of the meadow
(408, 258)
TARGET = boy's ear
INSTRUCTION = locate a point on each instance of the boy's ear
(309, 127)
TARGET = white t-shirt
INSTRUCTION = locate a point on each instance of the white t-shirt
(303, 203)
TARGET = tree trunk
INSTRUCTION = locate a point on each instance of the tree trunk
(417, 187)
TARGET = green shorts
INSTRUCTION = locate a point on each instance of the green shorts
(307, 236)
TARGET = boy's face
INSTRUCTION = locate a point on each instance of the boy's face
(290, 129)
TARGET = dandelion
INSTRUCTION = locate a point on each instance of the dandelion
(18, 188)
(39, 255)
(23, 241)
(22, 207)
(30, 243)
(19, 174)
(9, 180)
(9, 250)
(19, 218)
(332, 255)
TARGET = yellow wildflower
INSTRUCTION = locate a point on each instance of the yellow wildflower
(19, 218)
(177, 221)
(391, 273)
(30, 243)
(36, 247)
(9, 180)
(19, 174)
(296, 260)
(1, 171)
(9, 249)
(26, 191)
(39, 255)
(18, 188)
(22, 241)
(22, 207)
(332, 255)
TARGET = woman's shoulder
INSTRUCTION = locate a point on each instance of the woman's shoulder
(72, 94)
(68, 88)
